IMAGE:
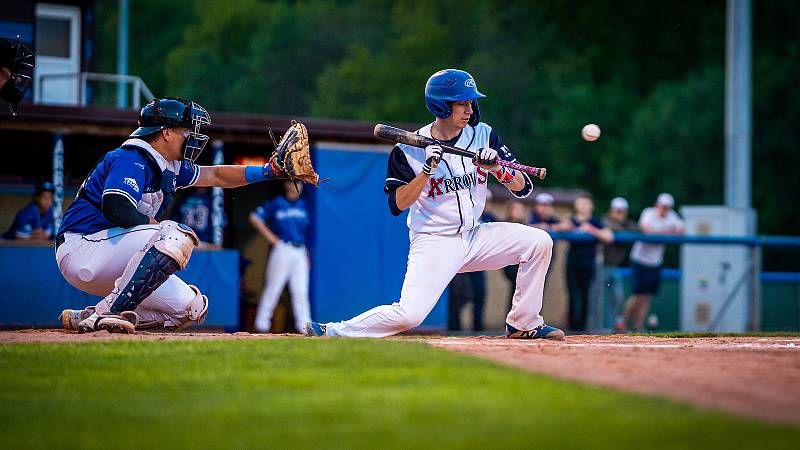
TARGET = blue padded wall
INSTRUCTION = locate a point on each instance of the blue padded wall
(359, 249)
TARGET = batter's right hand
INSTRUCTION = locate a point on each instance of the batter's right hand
(433, 153)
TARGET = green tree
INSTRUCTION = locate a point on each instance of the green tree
(674, 144)
(649, 73)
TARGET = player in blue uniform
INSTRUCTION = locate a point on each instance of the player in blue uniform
(195, 210)
(34, 221)
(284, 222)
(112, 241)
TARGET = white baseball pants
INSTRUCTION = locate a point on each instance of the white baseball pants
(93, 262)
(434, 260)
(286, 263)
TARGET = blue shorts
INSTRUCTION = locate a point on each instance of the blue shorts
(646, 279)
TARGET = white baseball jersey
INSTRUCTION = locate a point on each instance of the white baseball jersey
(447, 238)
(650, 254)
(455, 196)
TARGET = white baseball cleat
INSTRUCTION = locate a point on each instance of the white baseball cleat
(124, 322)
(70, 318)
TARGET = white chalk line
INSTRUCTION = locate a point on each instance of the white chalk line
(724, 346)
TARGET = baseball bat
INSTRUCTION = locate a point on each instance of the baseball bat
(398, 135)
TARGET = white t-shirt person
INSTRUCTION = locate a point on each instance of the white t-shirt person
(661, 219)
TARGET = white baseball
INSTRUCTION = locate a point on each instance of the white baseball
(590, 132)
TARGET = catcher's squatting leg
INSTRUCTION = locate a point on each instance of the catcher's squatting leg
(165, 253)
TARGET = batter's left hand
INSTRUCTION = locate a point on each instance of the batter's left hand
(486, 158)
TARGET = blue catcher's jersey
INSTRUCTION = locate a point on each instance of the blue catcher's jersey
(288, 220)
(134, 171)
(27, 220)
(195, 211)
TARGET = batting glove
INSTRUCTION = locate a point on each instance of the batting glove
(433, 153)
(486, 158)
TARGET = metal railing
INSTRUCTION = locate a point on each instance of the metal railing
(751, 277)
(138, 87)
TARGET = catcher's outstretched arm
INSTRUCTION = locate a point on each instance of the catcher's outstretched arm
(232, 176)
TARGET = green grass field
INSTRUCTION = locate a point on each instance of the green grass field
(329, 393)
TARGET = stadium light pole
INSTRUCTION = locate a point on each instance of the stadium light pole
(738, 106)
(122, 53)
(738, 138)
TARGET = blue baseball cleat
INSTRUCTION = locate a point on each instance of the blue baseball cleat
(540, 332)
(314, 329)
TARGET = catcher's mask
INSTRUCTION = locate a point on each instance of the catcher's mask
(174, 112)
(19, 60)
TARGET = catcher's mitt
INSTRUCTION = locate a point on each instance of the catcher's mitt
(292, 157)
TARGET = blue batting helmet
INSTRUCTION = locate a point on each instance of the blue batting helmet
(451, 85)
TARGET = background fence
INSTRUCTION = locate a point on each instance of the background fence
(720, 290)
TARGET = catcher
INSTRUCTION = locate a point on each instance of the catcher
(112, 242)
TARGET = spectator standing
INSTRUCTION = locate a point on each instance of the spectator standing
(615, 257)
(581, 259)
(543, 215)
(284, 222)
(647, 258)
(35, 220)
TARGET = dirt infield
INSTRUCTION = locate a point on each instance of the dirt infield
(756, 377)
(752, 376)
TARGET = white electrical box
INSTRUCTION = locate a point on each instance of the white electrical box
(717, 281)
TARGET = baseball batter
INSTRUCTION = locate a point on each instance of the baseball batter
(111, 242)
(445, 195)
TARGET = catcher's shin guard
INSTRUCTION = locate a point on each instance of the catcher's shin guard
(166, 253)
(196, 310)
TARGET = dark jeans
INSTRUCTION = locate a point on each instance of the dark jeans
(579, 282)
(467, 288)
(511, 273)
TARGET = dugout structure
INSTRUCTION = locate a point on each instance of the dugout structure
(234, 276)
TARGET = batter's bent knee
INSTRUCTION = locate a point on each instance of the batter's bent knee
(540, 238)
(177, 241)
(411, 320)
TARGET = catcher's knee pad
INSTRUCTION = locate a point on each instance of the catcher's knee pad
(177, 241)
(165, 253)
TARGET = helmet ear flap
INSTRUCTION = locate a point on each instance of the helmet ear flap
(438, 108)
